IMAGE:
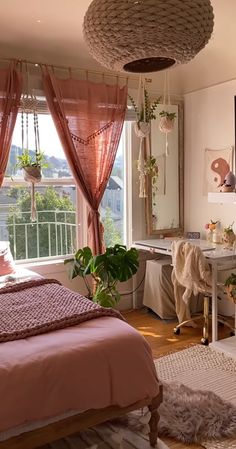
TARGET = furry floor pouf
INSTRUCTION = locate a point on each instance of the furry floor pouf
(195, 416)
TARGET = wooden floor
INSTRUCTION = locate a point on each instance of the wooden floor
(159, 334)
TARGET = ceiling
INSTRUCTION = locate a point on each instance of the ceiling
(50, 31)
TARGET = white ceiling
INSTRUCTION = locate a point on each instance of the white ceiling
(50, 31)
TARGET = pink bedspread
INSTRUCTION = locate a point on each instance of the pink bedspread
(41, 305)
(93, 365)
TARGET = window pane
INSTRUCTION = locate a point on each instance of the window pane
(53, 233)
(112, 205)
(49, 144)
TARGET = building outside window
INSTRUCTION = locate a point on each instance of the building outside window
(56, 231)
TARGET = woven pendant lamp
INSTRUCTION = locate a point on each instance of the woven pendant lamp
(147, 35)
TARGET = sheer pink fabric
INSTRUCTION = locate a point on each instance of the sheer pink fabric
(89, 118)
(10, 93)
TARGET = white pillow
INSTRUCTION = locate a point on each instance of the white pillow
(7, 265)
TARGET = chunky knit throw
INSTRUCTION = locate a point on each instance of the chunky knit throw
(43, 305)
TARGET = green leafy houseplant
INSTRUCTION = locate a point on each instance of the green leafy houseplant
(27, 160)
(117, 264)
(146, 113)
(230, 284)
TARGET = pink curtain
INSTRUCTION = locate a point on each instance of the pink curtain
(10, 93)
(89, 118)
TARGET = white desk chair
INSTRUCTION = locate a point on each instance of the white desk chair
(192, 275)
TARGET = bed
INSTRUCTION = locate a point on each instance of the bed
(56, 383)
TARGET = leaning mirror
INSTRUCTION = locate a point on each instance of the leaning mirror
(164, 204)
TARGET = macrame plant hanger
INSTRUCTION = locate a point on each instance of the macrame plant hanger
(32, 172)
(142, 130)
(166, 124)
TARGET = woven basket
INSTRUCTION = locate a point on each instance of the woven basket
(147, 35)
(32, 174)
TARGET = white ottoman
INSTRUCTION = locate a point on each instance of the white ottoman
(158, 288)
(159, 292)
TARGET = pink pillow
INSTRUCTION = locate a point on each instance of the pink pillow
(7, 265)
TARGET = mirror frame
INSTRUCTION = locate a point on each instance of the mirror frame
(149, 222)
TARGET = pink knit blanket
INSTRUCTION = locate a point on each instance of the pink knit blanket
(43, 305)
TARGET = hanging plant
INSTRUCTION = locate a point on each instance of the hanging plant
(145, 112)
(167, 121)
(31, 165)
(151, 169)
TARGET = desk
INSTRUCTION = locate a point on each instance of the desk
(220, 260)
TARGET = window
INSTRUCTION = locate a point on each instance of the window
(118, 205)
(112, 216)
(60, 227)
(54, 231)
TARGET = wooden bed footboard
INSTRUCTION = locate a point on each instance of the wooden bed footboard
(68, 426)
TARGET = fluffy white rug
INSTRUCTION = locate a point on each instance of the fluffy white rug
(203, 368)
(195, 416)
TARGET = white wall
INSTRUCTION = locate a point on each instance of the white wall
(209, 123)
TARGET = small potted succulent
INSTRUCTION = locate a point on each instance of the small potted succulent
(229, 236)
(230, 287)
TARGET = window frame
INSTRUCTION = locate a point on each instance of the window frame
(81, 206)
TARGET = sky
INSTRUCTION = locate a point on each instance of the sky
(49, 141)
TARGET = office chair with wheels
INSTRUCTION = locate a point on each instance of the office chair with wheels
(192, 275)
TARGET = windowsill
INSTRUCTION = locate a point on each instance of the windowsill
(44, 265)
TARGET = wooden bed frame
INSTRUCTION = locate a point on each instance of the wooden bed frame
(60, 429)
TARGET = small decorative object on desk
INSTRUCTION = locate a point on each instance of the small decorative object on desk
(230, 287)
(217, 234)
(210, 227)
(229, 236)
(229, 183)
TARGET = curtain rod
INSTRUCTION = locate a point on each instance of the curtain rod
(71, 69)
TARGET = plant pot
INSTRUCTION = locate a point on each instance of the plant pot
(166, 124)
(142, 129)
(32, 173)
(228, 239)
(231, 292)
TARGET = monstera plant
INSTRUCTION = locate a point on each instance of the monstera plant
(117, 264)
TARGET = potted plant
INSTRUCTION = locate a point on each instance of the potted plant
(31, 165)
(230, 285)
(144, 114)
(151, 170)
(167, 121)
(117, 264)
(228, 236)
